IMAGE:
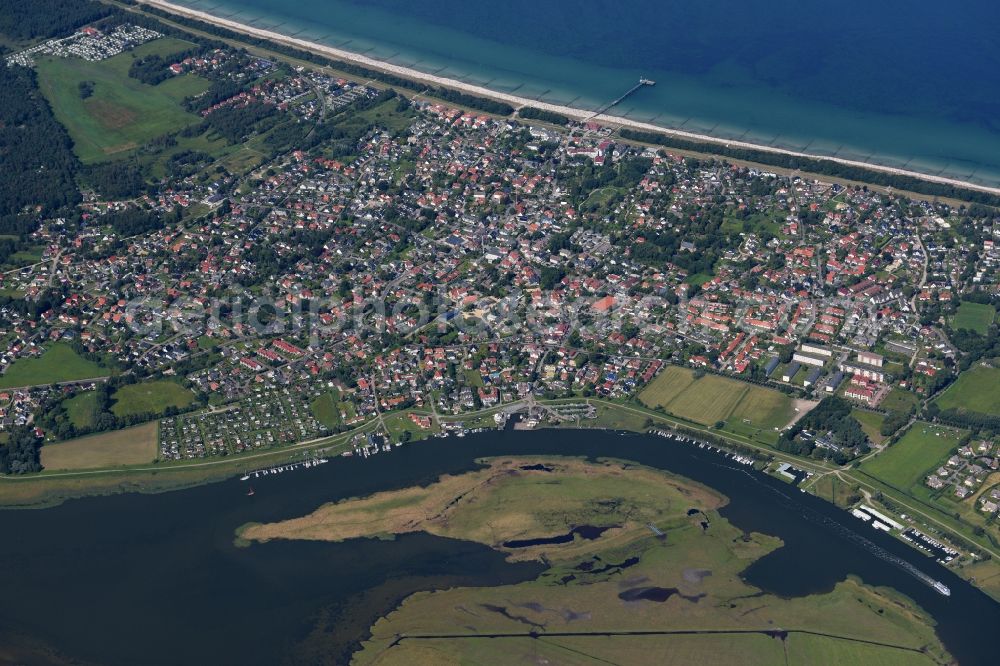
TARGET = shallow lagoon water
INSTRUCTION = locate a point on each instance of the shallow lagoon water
(157, 579)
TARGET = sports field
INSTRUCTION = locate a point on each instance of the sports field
(59, 363)
(974, 316)
(712, 398)
(131, 446)
(147, 397)
(922, 449)
(976, 390)
(122, 113)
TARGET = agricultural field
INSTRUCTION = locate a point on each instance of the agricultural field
(131, 446)
(154, 396)
(905, 463)
(976, 390)
(974, 316)
(122, 113)
(712, 398)
(680, 586)
(59, 363)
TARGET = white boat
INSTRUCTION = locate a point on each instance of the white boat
(942, 588)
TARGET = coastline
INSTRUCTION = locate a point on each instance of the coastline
(517, 101)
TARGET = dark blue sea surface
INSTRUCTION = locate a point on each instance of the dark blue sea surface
(912, 84)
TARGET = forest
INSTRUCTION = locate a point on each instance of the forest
(832, 416)
(20, 454)
(37, 148)
(41, 19)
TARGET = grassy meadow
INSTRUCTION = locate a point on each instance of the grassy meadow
(585, 589)
(59, 363)
(976, 390)
(154, 396)
(922, 449)
(974, 316)
(122, 113)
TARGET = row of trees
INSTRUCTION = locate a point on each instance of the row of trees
(532, 113)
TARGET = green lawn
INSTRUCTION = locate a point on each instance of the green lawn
(326, 409)
(976, 390)
(920, 450)
(154, 396)
(871, 423)
(81, 409)
(713, 398)
(899, 400)
(974, 316)
(123, 113)
(59, 363)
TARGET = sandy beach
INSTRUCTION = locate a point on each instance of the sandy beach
(516, 101)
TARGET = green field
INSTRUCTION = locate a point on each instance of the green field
(131, 446)
(59, 363)
(581, 590)
(326, 410)
(713, 398)
(871, 423)
(921, 450)
(899, 400)
(154, 396)
(974, 316)
(122, 113)
(976, 390)
(81, 409)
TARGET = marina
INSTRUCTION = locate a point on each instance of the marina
(280, 469)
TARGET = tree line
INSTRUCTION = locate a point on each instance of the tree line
(532, 113)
